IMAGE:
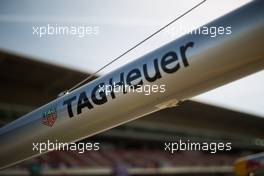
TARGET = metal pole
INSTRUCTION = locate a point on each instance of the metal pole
(187, 66)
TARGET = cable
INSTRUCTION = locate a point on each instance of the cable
(139, 43)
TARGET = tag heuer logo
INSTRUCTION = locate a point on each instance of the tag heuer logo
(49, 117)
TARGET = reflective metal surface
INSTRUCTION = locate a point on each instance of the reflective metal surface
(211, 62)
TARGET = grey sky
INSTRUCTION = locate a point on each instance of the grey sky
(121, 25)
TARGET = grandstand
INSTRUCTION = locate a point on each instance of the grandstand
(138, 146)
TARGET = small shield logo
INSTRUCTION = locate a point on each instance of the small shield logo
(49, 117)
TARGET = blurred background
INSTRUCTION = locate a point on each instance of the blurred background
(135, 148)
(34, 70)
